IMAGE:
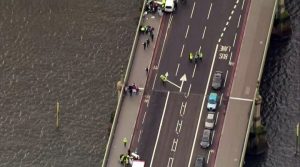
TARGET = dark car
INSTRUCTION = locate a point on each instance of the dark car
(200, 161)
(206, 138)
(217, 80)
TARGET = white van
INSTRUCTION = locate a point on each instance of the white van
(169, 6)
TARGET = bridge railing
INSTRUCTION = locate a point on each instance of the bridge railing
(120, 98)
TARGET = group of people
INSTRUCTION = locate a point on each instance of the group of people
(131, 89)
(151, 7)
(194, 58)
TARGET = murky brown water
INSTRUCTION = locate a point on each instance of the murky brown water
(69, 51)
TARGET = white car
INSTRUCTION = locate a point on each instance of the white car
(210, 120)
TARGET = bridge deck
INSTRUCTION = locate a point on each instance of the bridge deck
(252, 52)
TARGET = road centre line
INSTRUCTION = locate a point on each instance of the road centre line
(230, 58)
(221, 99)
(227, 23)
(207, 160)
(202, 106)
(237, 1)
(229, 18)
(219, 40)
(209, 11)
(160, 125)
(225, 78)
(238, 98)
(224, 29)
(243, 4)
(239, 22)
(232, 12)
(204, 32)
(234, 40)
(193, 10)
(177, 69)
(222, 34)
(194, 70)
(154, 81)
(187, 31)
(234, 6)
(163, 46)
(182, 50)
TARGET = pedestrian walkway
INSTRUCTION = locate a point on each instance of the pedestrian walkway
(130, 106)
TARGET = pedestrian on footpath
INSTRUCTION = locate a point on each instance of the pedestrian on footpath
(125, 141)
(147, 70)
(144, 44)
(152, 35)
(148, 42)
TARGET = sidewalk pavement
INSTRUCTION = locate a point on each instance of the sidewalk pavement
(131, 104)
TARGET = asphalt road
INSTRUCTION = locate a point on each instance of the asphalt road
(171, 120)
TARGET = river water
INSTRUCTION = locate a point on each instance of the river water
(73, 52)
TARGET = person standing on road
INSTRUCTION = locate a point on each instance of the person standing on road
(144, 44)
(125, 141)
(152, 35)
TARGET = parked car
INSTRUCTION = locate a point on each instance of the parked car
(200, 161)
(212, 101)
(210, 120)
(206, 138)
(217, 80)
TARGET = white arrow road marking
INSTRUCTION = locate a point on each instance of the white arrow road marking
(182, 79)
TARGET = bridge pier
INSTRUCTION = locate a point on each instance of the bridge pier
(282, 20)
(257, 143)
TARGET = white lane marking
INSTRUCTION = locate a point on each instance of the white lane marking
(170, 162)
(187, 31)
(213, 135)
(194, 70)
(154, 81)
(189, 91)
(140, 135)
(230, 58)
(174, 145)
(234, 40)
(182, 50)
(203, 32)
(217, 118)
(177, 69)
(237, 1)
(227, 23)
(160, 125)
(234, 6)
(222, 34)
(243, 4)
(232, 12)
(224, 29)
(221, 99)
(229, 18)
(144, 117)
(242, 99)
(200, 49)
(208, 156)
(238, 22)
(209, 11)
(225, 79)
(219, 40)
(163, 46)
(193, 10)
(202, 106)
